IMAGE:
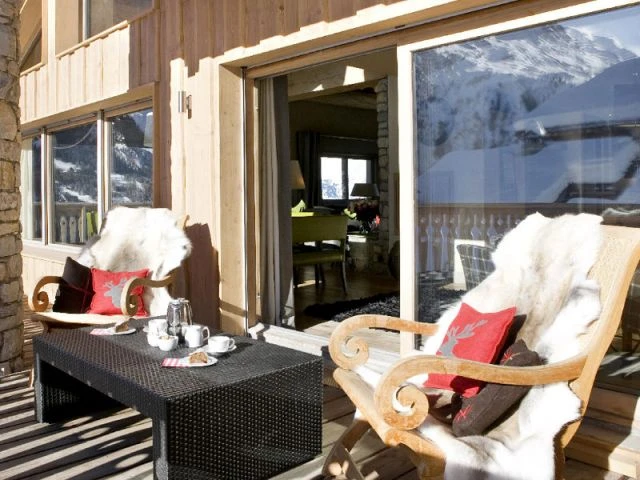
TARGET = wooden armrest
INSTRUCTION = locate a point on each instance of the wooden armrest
(416, 406)
(129, 301)
(39, 300)
(348, 351)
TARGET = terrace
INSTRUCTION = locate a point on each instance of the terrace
(118, 445)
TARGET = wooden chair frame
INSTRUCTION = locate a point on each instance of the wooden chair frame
(617, 260)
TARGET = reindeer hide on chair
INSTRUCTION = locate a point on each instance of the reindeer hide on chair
(541, 268)
(136, 238)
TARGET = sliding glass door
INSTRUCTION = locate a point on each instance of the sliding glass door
(544, 117)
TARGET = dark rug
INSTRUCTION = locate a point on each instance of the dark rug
(433, 301)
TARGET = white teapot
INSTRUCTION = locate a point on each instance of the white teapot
(195, 335)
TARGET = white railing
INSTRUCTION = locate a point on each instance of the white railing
(439, 226)
(74, 223)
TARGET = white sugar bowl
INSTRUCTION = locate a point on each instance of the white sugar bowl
(167, 343)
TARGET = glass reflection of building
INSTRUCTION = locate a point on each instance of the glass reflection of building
(543, 119)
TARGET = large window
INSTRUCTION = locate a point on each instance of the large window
(78, 196)
(542, 119)
(30, 34)
(340, 173)
(75, 181)
(102, 14)
(131, 158)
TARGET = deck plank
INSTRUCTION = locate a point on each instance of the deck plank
(75, 452)
(37, 437)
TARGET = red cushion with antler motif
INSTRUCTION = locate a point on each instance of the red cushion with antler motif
(108, 291)
(472, 335)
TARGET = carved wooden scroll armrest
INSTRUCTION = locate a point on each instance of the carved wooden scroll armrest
(415, 406)
(39, 300)
(348, 351)
(129, 301)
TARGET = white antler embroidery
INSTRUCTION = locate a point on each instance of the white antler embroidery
(451, 340)
(115, 291)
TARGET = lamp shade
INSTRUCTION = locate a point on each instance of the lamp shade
(297, 181)
(365, 190)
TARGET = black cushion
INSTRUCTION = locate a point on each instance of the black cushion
(75, 290)
(495, 401)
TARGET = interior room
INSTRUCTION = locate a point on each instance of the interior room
(345, 162)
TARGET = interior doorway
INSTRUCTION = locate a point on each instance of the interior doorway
(342, 132)
(345, 108)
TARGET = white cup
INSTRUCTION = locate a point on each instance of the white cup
(157, 326)
(152, 339)
(221, 343)
(195, 335)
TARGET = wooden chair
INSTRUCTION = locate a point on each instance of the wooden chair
(320, 229)
(130, 239)
(617, 259)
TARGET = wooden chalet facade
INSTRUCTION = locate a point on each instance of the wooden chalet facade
(195, 67)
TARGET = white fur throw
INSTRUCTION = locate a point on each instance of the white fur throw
(541, 268)
(137, 238)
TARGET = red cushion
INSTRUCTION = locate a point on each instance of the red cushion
(108, 291)
(475, 336)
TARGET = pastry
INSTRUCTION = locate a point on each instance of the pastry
(122, 326)
(198, 357)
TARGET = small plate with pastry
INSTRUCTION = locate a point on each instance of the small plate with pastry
(121, 328)
(195, 359)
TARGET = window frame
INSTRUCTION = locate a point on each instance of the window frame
(29, 135)
(103, 145)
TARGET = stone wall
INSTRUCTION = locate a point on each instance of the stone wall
(11, 312)
(381, 249)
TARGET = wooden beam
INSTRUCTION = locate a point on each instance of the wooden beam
(329, 79)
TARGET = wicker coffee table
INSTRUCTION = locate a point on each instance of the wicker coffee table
(254, 414)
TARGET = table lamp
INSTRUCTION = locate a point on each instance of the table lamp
(366, 190)
(297, 180)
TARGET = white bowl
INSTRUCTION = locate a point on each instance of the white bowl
(167, 343)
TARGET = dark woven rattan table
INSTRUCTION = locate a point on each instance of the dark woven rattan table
(254, 414)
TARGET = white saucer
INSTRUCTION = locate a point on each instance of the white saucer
(126, 332)
(185, 362)
(219, 352)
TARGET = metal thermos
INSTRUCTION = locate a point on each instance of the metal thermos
(178, 312)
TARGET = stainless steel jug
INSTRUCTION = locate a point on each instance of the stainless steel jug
(178, 312)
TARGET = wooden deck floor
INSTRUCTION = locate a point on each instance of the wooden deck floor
(118, 445)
